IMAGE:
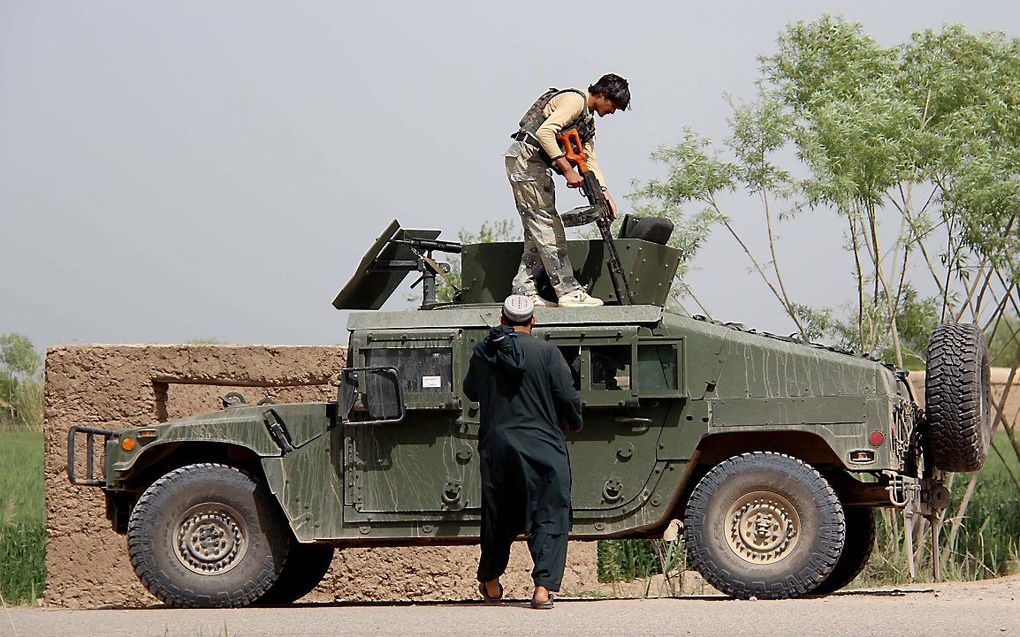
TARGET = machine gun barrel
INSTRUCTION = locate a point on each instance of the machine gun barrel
(450, 247)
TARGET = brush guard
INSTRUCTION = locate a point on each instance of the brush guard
(91, 434)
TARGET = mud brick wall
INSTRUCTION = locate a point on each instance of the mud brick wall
(998, 377)
(116, 386)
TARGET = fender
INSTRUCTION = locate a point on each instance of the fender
(246, 427)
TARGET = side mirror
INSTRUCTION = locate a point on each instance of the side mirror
(371, 395)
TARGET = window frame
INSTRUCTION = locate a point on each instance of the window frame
(681, 366)
(444, 339)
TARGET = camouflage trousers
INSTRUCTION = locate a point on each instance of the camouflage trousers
(545, 242)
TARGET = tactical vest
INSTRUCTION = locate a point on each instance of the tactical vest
(535, 116)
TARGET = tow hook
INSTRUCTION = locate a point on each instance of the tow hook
(902, 489)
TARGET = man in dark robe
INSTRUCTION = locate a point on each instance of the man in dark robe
(527, 398)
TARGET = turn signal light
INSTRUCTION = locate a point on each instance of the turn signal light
(876, 438)
(128, 444)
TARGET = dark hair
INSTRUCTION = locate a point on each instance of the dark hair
(615, 88)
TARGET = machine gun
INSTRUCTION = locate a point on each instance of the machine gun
(573, 150)
(396, 252)
(423, 262)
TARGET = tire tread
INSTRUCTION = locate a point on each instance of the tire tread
(820, 564)
(140, 542)
(955, 379)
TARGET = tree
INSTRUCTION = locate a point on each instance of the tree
(21, 392)
(915, 146)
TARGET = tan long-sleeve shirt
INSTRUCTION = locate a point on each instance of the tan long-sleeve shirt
(559, 112)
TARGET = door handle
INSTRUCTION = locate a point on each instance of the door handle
(633, 420)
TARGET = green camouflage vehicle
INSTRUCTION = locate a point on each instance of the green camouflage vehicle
(773, 452)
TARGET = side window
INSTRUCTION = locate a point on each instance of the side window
(610, 367)
(424, 361)
(601, 359)
(659, 369)
(422, 369)
(572, 354)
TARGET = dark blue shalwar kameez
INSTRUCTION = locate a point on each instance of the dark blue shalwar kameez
(526, 394)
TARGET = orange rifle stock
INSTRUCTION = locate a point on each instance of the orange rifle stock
(573, 151)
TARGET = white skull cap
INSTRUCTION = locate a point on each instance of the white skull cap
(518, 308)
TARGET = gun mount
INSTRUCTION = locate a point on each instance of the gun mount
(488, 269)
(396, 252)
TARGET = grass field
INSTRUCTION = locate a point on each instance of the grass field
(22, 517)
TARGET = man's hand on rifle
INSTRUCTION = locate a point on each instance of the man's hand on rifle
(613, 210)
(574, 179)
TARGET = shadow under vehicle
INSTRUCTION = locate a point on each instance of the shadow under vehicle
(773, 452)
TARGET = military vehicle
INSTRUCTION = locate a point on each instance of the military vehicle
(772, 451)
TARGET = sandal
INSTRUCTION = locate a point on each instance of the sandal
(546, 605)
(483, 590)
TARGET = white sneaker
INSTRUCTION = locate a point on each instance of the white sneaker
(538, 301)
(579, 298)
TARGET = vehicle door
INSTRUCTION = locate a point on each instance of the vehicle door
(427, 462)
(628, 381)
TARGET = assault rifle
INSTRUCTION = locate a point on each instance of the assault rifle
(573, 151)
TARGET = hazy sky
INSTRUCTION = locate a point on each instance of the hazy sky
(178, 170)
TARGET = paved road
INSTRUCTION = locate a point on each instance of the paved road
(971, 610)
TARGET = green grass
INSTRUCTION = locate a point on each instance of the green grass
(627, 560)
(22, 517)
(21, 477)
(988, 543)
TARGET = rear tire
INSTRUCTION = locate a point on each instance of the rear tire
(306, 566)
(957, 396)
(764, 525)
(206, 535)
(860, 543)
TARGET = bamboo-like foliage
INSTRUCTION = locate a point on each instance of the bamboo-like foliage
(917, 148)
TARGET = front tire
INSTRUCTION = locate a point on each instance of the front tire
(206, 535)
(764, 525)
(306, 566)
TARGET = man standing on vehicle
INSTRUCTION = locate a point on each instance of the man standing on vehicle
(528, 162)
(526, 393)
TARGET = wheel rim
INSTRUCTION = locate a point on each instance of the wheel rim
(210, 538)
(762, 527)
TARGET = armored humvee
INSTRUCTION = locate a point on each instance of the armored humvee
(772, 451)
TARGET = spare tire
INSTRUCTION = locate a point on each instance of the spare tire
(957, 397)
